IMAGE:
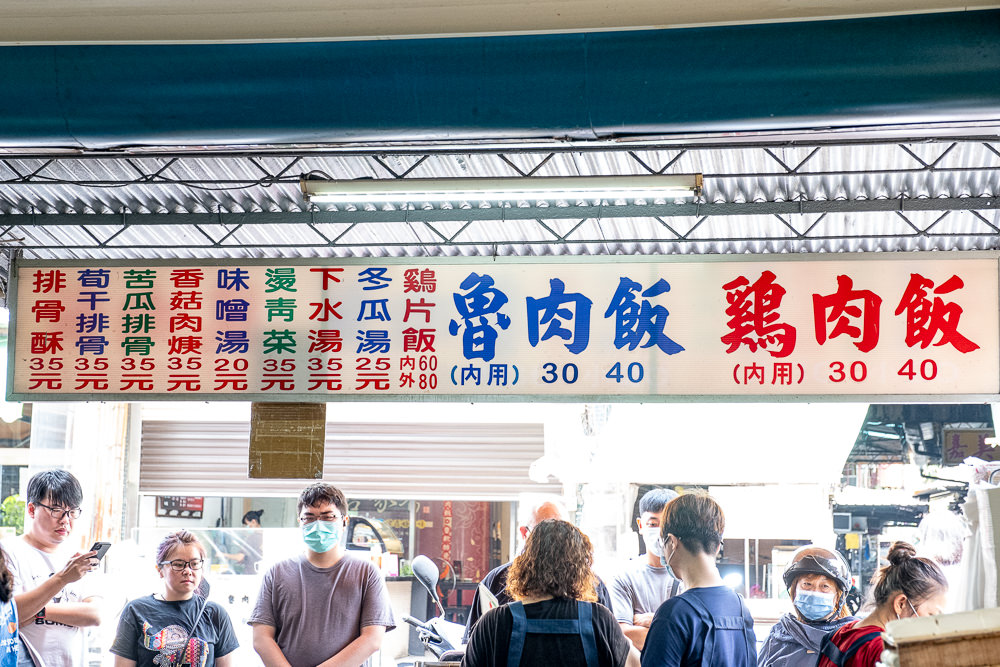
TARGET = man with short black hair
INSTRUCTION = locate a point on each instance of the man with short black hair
(645, 583)
(323, 608)
(52, 606)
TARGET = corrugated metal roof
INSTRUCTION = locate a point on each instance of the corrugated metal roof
(768, 197)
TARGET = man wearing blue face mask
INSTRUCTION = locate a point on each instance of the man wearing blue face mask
(818, 581)
(645, 583)
(323, 608)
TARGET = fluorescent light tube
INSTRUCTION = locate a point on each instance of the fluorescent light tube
(501, 189)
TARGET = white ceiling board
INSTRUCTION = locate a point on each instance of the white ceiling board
(148, 21)
(750, 511)
(715, 444)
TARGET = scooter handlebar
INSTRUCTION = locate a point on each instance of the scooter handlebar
(419, 624)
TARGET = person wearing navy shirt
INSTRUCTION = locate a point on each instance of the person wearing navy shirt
(708, 625)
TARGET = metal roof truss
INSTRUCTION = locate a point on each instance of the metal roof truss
(767, 197)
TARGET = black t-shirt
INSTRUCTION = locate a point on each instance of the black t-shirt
(496, 583)
(491, 638)
(150, 627)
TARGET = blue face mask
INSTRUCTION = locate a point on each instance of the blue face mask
(814, 606)
(321, 536)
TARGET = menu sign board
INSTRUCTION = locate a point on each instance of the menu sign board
(184, 507)
(639, 329)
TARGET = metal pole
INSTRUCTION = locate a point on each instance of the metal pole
(412, 537)
(746, 565)
(756, 560)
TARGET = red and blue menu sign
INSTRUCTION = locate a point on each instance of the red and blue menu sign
(563, 329)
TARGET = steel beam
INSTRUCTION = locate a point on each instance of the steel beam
(574, 211)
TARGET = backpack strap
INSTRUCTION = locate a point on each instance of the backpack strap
(584, 613)
(747, 627)
(518, 631)
(838, 657)
(522, 626)
(708, 648)
(674, 587)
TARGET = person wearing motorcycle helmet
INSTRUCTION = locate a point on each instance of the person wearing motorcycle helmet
(818, 581)
(908, 586)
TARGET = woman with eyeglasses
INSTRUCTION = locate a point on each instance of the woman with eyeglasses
(908, 586)
(177, 627)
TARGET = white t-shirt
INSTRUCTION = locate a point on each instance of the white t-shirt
(50, 644)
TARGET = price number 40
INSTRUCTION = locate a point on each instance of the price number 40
(858, 371)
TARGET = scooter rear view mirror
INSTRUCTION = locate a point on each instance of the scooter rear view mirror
(427, 574)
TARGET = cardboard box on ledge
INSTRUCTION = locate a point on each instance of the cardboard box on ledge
(967, 639)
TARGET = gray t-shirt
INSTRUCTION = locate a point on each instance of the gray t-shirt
(640, 589)
(316, 612)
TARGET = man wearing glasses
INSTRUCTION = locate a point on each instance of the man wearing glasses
(323, 608)
(52, 606)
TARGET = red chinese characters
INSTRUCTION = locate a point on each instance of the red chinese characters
(754, 320)
(753, 312)
(416, 338)
(844, 309)
(927, 319)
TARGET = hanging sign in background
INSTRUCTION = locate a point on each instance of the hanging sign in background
(281, 330)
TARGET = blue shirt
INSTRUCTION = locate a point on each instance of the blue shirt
(680, 631)
(8, 634)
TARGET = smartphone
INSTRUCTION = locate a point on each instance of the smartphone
(101, 548)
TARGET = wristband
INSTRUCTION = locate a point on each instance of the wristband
(41, 613)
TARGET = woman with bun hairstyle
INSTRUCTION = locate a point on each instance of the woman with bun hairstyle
(818, 581)
(254, 542)
(248, 546)
(908, 586)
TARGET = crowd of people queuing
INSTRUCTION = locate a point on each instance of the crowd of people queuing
(318, 609)
(668, 608)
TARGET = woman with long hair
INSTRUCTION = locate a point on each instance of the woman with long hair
(177, 627)
(555, 619)
(908, 586)
(818, 581)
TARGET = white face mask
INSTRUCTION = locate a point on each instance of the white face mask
(651, 538)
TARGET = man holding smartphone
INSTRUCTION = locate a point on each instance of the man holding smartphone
(52, 607)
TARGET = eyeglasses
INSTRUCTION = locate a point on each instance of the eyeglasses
(58, 513)
(312, 518)
(181, 565)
